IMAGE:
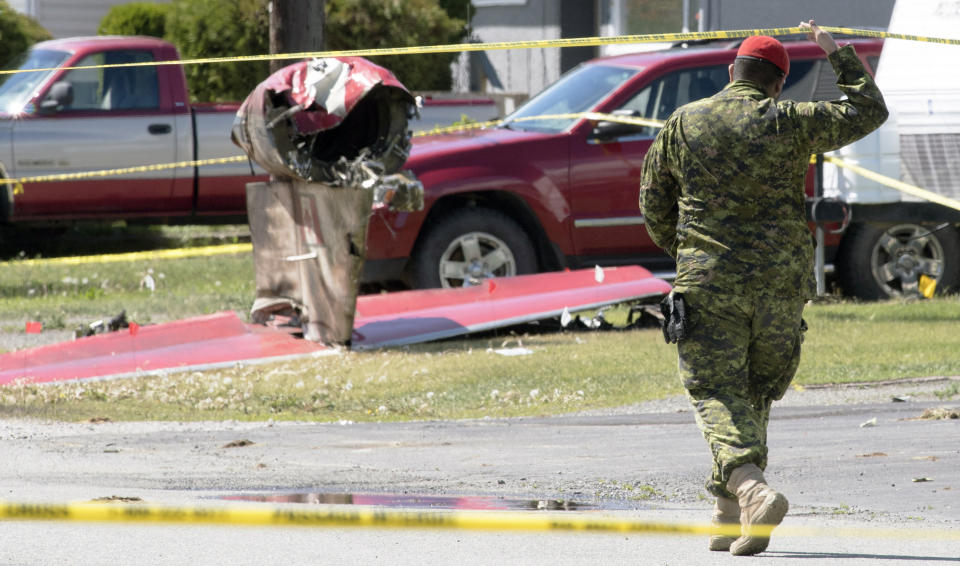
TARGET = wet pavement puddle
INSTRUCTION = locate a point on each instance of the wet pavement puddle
(406, 501)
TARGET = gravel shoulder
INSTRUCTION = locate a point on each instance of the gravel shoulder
(646, 462)
(643, 456)
(630, 457)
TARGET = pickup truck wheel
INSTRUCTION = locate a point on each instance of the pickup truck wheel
(469, 246)
(879, 262)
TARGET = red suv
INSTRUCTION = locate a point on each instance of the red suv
(543, 194)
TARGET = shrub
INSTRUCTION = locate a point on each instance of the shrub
(222, 28)
(458, 9)
(218, 28)
(362, 24)
(137, 18)
(17, 33)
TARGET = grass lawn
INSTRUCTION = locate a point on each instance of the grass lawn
(465, 378)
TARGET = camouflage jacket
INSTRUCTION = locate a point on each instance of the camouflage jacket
(722, 188)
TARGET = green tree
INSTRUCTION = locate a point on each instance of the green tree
(137, 18)
(459, 9)
(356, 24)
(221, 28)
(17, 33)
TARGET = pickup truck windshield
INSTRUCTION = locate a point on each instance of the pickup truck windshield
(17, 90)
(578, 91)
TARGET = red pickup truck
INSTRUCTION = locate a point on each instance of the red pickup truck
(539, 194)
(72, 120)
(533, 194)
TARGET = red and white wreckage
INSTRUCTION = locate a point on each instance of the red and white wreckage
(333, 135)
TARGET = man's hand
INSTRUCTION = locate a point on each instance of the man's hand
(820, 37)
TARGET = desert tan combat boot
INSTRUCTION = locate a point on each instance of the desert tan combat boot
(725, 514)
(759, 505)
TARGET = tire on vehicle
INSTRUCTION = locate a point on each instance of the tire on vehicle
(877, 262)
(471, 245)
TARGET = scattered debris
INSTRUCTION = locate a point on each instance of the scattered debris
(148, 283)
(339, 121)
(598, 322)
(238, 444)
(101, 327)
(927, 458)
(870, 423)
(388, 319)
(921, 480)
(938, 413)
(333, 134)
(98, 420)
(872, 455)
(639, 316)
(519, 351)
(117, 499)
(645, 316)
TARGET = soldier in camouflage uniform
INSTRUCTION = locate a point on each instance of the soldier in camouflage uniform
(722, 192)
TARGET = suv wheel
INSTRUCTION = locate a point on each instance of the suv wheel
(469, 246)
(881, 262)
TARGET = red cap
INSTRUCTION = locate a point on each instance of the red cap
(766, 48)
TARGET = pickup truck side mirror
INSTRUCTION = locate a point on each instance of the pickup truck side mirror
(60, 95)
(606, 131)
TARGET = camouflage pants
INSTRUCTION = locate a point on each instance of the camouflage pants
(738, 358)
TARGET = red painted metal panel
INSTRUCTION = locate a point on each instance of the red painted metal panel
(205, 340)
(382, 320)
(420, 316)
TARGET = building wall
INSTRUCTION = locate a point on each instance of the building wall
(519, 70)
(67, 18)
(750, 14)
(528, 71)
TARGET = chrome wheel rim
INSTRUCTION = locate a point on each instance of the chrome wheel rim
(902, 255)
(473, 257)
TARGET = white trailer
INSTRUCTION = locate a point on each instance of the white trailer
(898, 244)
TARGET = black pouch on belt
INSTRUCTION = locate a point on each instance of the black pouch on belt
(675, 322)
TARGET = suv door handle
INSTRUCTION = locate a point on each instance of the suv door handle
(158, 129)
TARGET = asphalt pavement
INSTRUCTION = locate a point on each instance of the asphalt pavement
(869, 483)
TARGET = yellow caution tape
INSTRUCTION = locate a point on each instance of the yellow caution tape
(453, 48)
(895, 183)
(571, 42)
(180, 253)
(388, 518)
(502, 45)
(888, 35)
(60, 177)
(18, 183)
(457, 128)
(597, 116)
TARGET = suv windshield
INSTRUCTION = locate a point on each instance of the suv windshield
(578, 91)
(17, 89)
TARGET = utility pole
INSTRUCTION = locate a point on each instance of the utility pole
(296, 26)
